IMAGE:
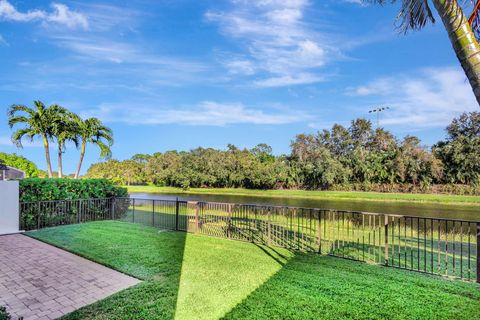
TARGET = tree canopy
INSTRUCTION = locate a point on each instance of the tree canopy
(341, 156)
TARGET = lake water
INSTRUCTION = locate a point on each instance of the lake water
(437, 210)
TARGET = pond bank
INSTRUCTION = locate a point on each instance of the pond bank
(421, 205)
(307, 194)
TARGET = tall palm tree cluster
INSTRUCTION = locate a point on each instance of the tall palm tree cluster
(57, 124)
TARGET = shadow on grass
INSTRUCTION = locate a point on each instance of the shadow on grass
(318, 287)
(155, 257)
(207, 278)
(268, 253)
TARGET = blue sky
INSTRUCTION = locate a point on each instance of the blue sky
(177, 74)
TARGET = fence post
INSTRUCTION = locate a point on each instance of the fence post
(197, 220)
(229, 221)
(269, 236)
(386, 240)
(153, 212)
(133, 212)
(250, 229)
(319, 231)
(112, 207)
(38, 214)
(478, 252)
(78, 210)
(176, 213)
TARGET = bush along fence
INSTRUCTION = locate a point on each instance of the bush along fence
(440, 246)
(50, 213)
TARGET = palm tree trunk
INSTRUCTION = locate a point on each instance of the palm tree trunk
(463, 40)
(47, 156)
(82, 154)
(60, 167)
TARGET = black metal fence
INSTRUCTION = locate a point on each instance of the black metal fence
(431, 245)
(41, 214)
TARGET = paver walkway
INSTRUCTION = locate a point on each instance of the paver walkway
(39, 281)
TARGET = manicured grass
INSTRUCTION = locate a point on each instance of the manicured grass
(197, 277)
(329, 195)
(186, 276)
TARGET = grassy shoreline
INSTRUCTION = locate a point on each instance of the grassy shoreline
(320, 195)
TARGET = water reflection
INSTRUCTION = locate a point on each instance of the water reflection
(465, 212)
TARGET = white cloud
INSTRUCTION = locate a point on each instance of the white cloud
(108, 65)
(430, 98)
(207, 113)
(108, 17)
(60, 15)
(277, 42)
(240, 66)
(63, 15)
(288, 80)
(9, 12)
(133, 64)
(100, 49)
(362, 3)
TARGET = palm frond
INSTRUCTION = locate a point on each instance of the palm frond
(39, 106)
(15, 108)
(13, 120)
(413, 15)
(92, 130)
(105, 151)
(18, 135)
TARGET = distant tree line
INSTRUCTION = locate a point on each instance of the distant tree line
(354, 158)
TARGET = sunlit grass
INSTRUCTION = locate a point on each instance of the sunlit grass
(190, 276)
(418, 244)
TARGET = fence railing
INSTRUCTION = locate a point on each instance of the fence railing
(431, 245)
(41, 214)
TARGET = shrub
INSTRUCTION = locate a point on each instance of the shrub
(19, 162)
(4, 315)
(36, 189)
(423, 187)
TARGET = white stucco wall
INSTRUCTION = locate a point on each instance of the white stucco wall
(9, 207)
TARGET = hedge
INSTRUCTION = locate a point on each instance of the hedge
(36, 189)
(456, 189)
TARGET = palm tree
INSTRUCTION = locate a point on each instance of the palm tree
(93, 131)
(38, 122)
(415, 14)
(65, 128)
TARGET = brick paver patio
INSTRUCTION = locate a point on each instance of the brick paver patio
(39, 281)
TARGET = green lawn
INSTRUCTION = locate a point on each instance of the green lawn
(306, 194)
(189, 276)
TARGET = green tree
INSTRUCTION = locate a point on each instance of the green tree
(38, 122)
(132, 172)
(317, 165)
(141, 158)
(416, 14)
(263, 152)
(15, 161)
(160, 167)
(460, 152)
(93, 131)
(65, 128)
